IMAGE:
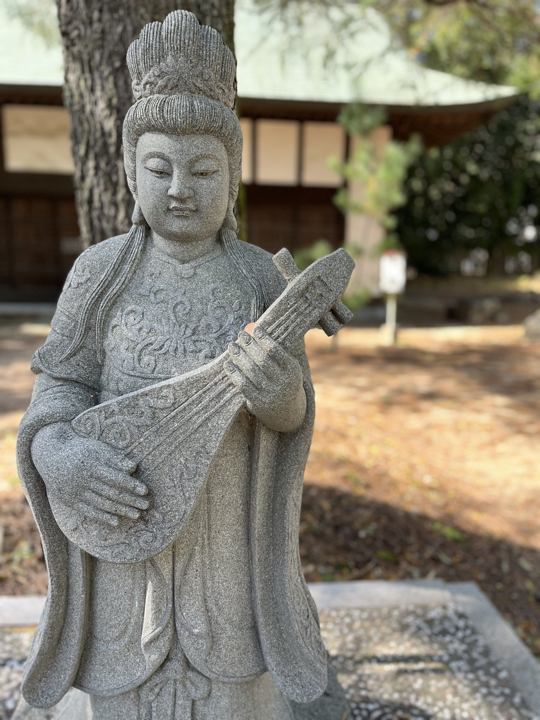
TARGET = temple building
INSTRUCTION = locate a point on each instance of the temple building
(293, 79)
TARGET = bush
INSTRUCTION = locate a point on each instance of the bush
(472, 204)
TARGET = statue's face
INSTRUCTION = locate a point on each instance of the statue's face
(182, 185)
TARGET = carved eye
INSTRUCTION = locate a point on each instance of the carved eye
(205, 168)
(158, 167)
(204, 173)
(159, 173)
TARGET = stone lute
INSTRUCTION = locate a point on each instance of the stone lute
(174, 429)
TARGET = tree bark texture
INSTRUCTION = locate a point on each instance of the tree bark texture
(97, 93)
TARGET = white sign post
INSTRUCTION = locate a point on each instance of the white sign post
(392, 280)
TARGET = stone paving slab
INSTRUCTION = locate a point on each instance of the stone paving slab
(504, 645)
(21, 610)
(418, 662)
(418, 650)
(379, 593)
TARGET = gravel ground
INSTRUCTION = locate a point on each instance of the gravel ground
(406, 663)
(418, 663)
(14, 647)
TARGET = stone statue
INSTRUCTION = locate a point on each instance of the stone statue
(164, 449)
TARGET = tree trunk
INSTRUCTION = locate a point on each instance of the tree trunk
(97, 92)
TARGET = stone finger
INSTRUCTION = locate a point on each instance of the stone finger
(252, 348)
(120, 461)
(247, 366)
(122, 480)
(91, 512)
(270, 347)
(127, 498)
(239, 380)
(111, 506)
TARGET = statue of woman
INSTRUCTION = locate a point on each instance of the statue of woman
(219, 625)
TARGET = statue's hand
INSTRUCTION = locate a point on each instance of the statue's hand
(269, 378)
(88, 475)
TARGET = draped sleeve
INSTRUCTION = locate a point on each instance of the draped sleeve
(286, 614)
(63, 389)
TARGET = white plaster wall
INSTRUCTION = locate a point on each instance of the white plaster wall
(276, 152)
(247, 152)
(322, 140)
(36, 139)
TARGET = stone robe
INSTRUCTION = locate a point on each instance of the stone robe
(230, 589)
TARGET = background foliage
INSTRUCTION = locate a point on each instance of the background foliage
(495, 41)
(472, 203)
(470, 206)
(380, 171)
(39, 16)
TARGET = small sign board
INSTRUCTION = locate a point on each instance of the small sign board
(393, 272)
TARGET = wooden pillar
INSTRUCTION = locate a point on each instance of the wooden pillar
(7, 274)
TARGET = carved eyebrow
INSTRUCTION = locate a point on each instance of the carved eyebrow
(156, 154)
(205, 156)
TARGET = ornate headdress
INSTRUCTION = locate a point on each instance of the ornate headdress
(182, 57)
(184, 82)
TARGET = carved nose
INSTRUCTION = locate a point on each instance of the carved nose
(180, 189)
(180, 193)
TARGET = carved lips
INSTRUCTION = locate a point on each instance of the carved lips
(182, 210)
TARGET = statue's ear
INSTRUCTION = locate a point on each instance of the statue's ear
(230, 222)
(137, 218)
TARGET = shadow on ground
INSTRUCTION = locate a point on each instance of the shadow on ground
(346, 537)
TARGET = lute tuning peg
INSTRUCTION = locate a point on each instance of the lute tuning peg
(338, 315)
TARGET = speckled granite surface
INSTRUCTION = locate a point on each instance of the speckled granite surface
(396, 663)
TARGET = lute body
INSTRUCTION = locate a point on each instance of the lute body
(174, 429)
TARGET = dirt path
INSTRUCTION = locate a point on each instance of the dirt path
(423, 464)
